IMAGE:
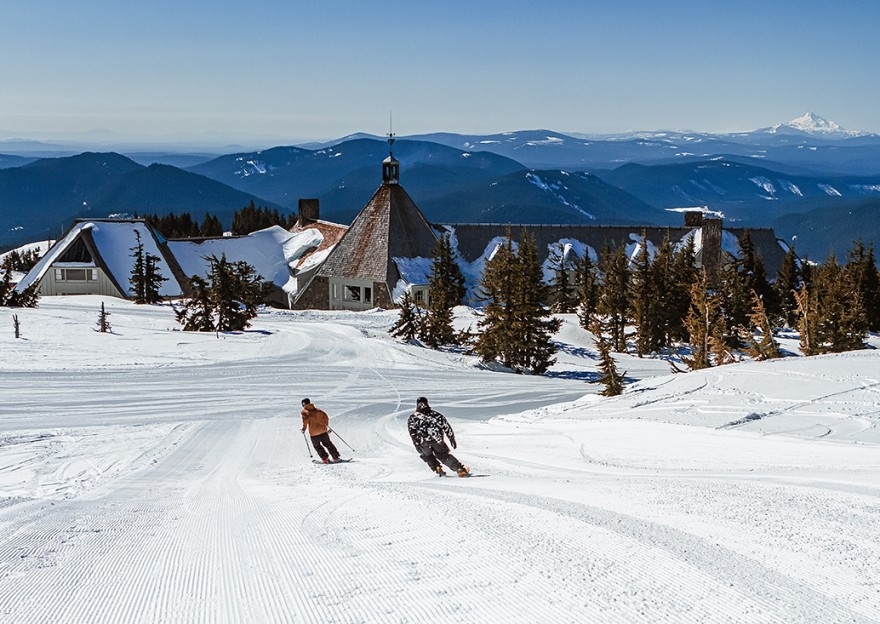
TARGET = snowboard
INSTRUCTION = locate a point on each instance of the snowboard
(469, 475)
(338, 461)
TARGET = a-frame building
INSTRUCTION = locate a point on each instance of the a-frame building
(368, 267)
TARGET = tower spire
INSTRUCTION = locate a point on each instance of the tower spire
(390, 133)
(390, 166)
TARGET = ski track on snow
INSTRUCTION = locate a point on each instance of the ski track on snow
(184, 493)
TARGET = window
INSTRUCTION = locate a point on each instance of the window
(368, 294)
(419, 296)
(76, 275)
(352, 293)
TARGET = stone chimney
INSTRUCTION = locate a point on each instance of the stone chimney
(693, 218)
(309, 212)
(711, 228)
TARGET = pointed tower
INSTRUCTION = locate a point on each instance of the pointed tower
(365, 268)
(390, 166)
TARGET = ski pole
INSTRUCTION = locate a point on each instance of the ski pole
(343, 441)
(307, 444)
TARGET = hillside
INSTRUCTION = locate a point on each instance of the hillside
(158, 475)
(743, 192)
(820, 152)
(831, 227)
(284, 174)
(540, 196)
(39, 200)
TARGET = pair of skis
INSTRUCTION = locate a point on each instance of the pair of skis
(320, 461)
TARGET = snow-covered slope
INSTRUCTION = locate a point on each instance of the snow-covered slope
(151, 475)
(814, 125)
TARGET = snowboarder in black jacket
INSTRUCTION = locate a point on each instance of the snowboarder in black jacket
(426, 428)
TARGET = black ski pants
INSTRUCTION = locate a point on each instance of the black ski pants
(323, 445)
(433, 452)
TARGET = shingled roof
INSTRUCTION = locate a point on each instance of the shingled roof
(390, 226)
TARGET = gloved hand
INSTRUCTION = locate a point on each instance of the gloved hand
(303, 430)
(452, 442)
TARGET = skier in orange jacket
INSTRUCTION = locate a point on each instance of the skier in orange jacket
(318, 424)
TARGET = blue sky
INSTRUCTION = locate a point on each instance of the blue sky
(290, 71)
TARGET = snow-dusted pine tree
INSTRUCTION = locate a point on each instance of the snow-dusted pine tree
(516, 325)
(226, 301)
(409, 323)
(445, 291)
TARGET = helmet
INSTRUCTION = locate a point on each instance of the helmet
(305, 402)
(421, 403)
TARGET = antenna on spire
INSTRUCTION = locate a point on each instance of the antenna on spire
(390, 132)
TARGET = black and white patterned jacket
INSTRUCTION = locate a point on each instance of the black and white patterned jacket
(429, 426)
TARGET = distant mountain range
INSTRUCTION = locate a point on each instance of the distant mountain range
(796, 177)
(40, 199)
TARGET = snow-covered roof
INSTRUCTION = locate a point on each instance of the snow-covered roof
(271, 252)
(414, 270)
(114, 241)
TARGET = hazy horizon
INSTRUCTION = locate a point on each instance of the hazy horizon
(214, 142)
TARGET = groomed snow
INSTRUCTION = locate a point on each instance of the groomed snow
(152, 475)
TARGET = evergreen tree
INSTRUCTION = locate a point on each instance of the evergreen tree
(734, 297)
(497, 287)
(446, 275)
(739, 278)
(683, 274)
(250, 219)
(608, 373)
(237, 292)
(788, 281)
(446, 290)
(146, 279)
(534, 316)
(516, 324)
(211, 226)
(807, 320)
(645, 302)
(705, 324)
(409, 323)
(437, 329)
(614, 303)
(174, 225)
(11, 298)
(152, 281)
(752, 268)
(862, 271)
(103, 322)
(563, 294)
(587, 288)
(227, 301)
(840, 314)
(139, 271)
(6, 282)
(22, 261)
(197, 312)
(763, 348)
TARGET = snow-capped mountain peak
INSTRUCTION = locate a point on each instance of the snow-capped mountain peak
(811, 123)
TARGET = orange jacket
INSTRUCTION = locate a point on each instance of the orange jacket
(315, 419)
